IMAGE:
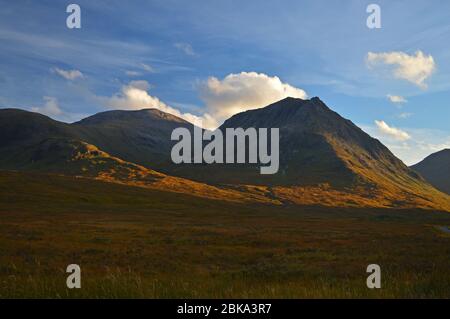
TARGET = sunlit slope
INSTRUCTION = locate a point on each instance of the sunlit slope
(327, 159)
(324, 158)
(79, 159)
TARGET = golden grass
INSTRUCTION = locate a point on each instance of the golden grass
(135, 242)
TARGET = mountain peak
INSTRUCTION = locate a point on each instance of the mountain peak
(288, 112)
(297, 102)
(318, 148)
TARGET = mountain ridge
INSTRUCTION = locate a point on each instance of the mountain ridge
(324, 158)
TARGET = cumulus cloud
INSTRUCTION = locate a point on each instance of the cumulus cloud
(244, 91)
(396, 133)
(135, 96)
(223, 98)
(185, 47)
(413, 68)
(396, 99)
(50, 107)
(68, 74)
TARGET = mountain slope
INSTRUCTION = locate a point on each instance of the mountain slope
(141, 137)
(33, 142)
(323, 152)
(436, 169)
(324, 158)
(314, 138)
(77, 158)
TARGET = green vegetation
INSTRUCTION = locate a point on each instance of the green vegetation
(136, 242)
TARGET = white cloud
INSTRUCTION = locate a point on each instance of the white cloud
(413, 68)
(135, 96)
(223, 98)
(396, 133)
(143, 67)
(68, 74)
(185, 47)
(147, 68)
(244, 91)
(396, 99)
(50, 107)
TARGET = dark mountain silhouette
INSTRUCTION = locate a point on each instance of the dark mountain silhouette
(436, 169)
(324, 158)
(21, 131)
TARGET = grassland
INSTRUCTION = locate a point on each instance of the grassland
(140, 243)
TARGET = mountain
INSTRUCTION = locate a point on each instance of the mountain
(141, 137)
(21, 131)
(68, 157)
(316, 144)
(321, 150)
(324, 158)
(436, 169)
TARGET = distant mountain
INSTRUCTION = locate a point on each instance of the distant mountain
(324, 158)
(436, 169)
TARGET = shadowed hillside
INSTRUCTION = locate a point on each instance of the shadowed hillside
(141, 137)
(436, 170)
(324, 158)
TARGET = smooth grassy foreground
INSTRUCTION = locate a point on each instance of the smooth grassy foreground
(136, 243)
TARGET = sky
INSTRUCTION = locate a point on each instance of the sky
(207, 60)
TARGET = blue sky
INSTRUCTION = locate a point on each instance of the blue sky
(188, 57)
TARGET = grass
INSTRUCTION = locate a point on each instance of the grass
(138, 243)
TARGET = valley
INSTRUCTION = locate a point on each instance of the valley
(103, 193)
(139, 243)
